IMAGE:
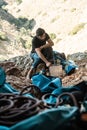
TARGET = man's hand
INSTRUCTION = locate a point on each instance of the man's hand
(38, 51)
(48, 64)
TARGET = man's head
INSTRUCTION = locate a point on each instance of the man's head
(40, 33)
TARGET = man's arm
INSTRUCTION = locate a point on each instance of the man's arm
(38, 51)
(49, 44)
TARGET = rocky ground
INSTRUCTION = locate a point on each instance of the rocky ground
(79, 75)
(16, 70)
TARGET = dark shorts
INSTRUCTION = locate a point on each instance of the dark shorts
(48, 53)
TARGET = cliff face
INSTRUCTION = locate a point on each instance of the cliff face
(64, 20)
(66, 23)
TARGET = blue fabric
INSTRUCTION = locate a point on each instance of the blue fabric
(53, 119)
(4, 128)
(65, 89)
(7, 88)
(59, 91)
(52, 85)
(46, 84)
(2, 76)
(36, 59)
(69, 66)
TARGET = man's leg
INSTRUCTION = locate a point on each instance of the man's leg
(29, 75)
(48, 53)
(36, 61)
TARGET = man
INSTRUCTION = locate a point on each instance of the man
(41, 50)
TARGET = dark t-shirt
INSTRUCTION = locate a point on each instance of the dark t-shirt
(36, 43)
(47, 52)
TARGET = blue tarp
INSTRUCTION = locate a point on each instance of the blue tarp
(2, 76)
(52, 119)
(46, 84)
(68, 65)
(7, 88)
(4, 86)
